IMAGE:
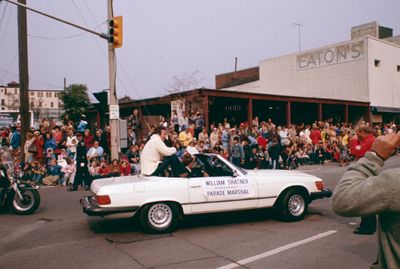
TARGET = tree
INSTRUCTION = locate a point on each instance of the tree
(76, 100)
(185, 82)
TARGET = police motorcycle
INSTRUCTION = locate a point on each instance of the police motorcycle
(22, 197)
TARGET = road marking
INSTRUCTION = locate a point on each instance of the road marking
(21, 232)
(277, 250)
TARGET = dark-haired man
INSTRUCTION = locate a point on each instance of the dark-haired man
(157, 157)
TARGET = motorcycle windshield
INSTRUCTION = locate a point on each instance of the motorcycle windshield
(6, 158)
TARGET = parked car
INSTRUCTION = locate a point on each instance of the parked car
(161, 202)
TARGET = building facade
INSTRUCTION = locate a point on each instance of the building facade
(42, 103)
(364, 69)
(352, 81)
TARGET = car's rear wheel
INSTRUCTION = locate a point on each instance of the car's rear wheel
(294, 205)
(161, 217)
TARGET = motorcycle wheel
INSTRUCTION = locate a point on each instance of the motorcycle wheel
(27, 205)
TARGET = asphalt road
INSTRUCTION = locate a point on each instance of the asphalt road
(60, 236)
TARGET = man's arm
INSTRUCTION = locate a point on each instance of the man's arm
(163, 149)
(363, 190)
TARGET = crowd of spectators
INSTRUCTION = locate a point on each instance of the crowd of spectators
(50, 151)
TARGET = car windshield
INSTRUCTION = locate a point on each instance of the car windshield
(244, 172)
(214, 166)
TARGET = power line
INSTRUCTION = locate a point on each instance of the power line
(9, 67)
(90, 12)
(34, 80)
(97, 43)
(4, 12)
(6, 28)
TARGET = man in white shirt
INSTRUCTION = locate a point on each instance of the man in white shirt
(95, 152)
(152, 158)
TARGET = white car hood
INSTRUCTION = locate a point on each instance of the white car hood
(284, 175)
(268, 172)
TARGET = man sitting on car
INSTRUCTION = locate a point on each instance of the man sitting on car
(157, 157)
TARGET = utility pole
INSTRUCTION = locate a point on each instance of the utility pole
(115, 41)
(112, 94)
(299, 25)
(23, 73)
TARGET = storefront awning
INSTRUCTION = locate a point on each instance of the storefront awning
(382, 109)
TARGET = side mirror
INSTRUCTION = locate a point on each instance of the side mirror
(235, 173)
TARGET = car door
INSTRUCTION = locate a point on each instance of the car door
(224, 189)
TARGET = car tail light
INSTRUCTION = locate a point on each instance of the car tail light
(103, 199)
(319, 185)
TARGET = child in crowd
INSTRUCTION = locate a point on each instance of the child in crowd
(104, 169)
(69, 173)
(115, 169)
(53, 174)
(94, 170)
(125, 168)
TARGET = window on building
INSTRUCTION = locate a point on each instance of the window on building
(16, 91)
(3, 103)
(398, 68)
(40, 103)
(51, 104)
(5, 90)
(32, 104)
(377, 62)
(48, 94)
(32, 93)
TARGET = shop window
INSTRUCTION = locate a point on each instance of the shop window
(377, 62)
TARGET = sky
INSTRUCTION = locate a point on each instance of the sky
(167, 38)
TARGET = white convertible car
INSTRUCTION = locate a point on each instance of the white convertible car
(162, 201)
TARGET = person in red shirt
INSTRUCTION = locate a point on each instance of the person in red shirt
(262, 142)
(88, 138)
(125, 168)
(315, 135)
(39, 143)
(361, 143)
(104, 169)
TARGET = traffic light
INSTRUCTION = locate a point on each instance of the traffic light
(115, 31)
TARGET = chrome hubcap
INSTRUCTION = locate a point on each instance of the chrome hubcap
(296, 205)
(160, 215)
(26, 203)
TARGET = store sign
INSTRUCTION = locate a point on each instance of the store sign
(335, 55)
(218, 189)
(178, 106)
(114, 112)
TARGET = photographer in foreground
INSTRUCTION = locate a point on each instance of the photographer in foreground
(365, 191)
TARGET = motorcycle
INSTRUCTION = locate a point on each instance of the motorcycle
(22, 197)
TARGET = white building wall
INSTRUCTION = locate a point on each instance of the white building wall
(384, 80)
(342, 75)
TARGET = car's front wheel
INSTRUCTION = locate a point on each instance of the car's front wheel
(294, 205)
(161, 217)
